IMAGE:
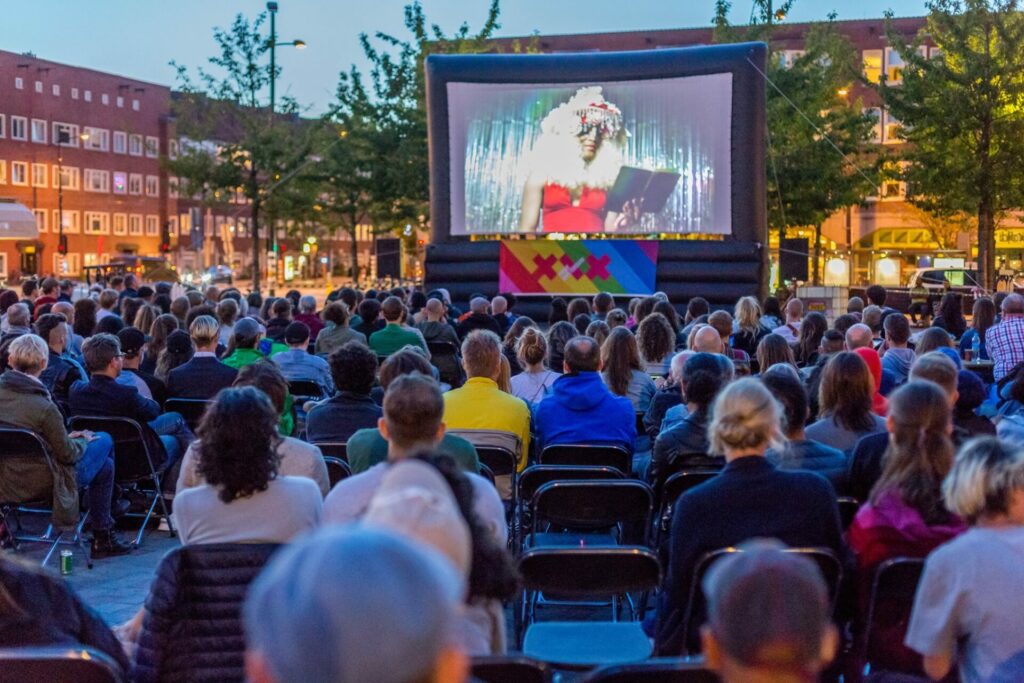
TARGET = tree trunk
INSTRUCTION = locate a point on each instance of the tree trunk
(986, 246)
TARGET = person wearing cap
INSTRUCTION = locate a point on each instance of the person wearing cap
(298, 364)
(245, 345)
(133, 345)
(768, 616)
(61, 370)
(204, 375)
(389, 621)
(395, 334)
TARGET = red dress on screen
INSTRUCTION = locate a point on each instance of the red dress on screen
(562, 215)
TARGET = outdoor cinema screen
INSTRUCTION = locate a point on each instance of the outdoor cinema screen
(619, 157)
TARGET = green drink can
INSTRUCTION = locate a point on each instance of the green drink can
(66, 562)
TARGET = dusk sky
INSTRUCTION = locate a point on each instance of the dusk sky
(138, 39)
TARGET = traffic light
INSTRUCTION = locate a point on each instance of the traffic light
(165, 237)
(62, 245)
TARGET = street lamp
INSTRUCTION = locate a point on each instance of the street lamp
(63, 138)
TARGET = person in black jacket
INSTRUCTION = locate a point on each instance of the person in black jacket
(133, 346)
(282, 311)
(749, 499)
(203, 376)
(61, 370)
(354, 370)
(479, 319)
(103, 396)
(38, 610)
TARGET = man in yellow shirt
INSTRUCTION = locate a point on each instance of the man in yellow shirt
(479, 403)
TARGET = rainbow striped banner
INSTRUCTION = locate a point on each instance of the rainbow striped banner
(578, 266)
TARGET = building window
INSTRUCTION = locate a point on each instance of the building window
(172, 145)
(39, 131)
(96, 180)
(152, 226)
(135, 145)
(19, 83)
(172, 225)
(66, 177)
(19, 173)
(97, 223)
(872, 61)
(120, 182)
(70, 220)
(152, 146)
(892, 130)
(70, 264)
(88, 95)
(3, 172)
(39, 175)
(135, 183)
(19, 128)
(120, 142)
(105, 98)
(135, 105)
(120, 102)
(120, 224)
(135, 224)
(74, 93)
(39, 87)
(98, 140)
(172, 187)
(894, 65)
(152, 186)
(40, 215)
(876, 130)
(3, 126)
(55, 90)
(70, 130)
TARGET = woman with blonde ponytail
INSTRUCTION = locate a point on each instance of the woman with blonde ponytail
(533, 383)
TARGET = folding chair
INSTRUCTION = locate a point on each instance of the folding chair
(134, 461)
(191, 409)
(488, 474)
(675, 486)
(24, 444)
(696, 607)
(337, 469)
(581, 513)
(601, 455)
(657, 670)
(535, 476)
(305, 390)
(848, 508)
(892, 600)
(335, 449)
(582, 573)
(492, 441)
(58, 663)
(509, 669)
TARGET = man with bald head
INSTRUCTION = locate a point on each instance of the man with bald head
(479, 318)
(580, 408)
(499, 311)
(75, 341)
(790, 331)
(707, 340)
(859, 336)
(1005, 341)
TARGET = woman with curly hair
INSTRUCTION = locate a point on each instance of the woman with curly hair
(657, 343)
(244, 499)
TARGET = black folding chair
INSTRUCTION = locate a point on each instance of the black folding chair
(191, 409)
(134, 461)
(24, 444)
(675, 486)
(581, 513)
(488, 474)
(696, 608)
(502, 463)
(579, 574)
(601, 455)
(658, 670)
(337, 469)
(535, 476)
(848, 508)
(510, 669)
(305, 390)
(892, 601)
(335, 449)
(78, 664)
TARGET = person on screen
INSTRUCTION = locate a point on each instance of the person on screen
(576, 160)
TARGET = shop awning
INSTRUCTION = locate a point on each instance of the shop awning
(17, 222)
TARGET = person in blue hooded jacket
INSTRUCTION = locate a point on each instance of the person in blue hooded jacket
(580, 408)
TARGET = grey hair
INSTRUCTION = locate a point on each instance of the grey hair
(28, 353)
(478, 305)
(985, 475)
(307, 303)
(18, 315)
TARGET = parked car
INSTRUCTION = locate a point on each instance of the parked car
(936, 278)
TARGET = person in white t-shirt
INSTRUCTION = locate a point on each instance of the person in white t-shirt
(790, 331)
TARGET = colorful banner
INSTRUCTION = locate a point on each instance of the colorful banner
(578, 266)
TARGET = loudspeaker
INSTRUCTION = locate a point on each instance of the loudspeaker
(389, 257)
(793, 254)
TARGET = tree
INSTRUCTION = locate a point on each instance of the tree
(819, 158)
(962, 114)
(263, 154)
(380, 172)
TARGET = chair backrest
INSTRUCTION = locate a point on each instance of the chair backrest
(848, 507)
(658, 670)
(590, 572)
(535, 476)
(501, 460)
(335, 449)
(487, 473)
(81, 665)
(641, 428)
(24, 444)
(305, 388)
(602, 455)
(192, 409)
(892, 601)
(442, 348)
(510, 669)
(337, 469)
(133, 459)
(488, 438)
(681, 482)
(696, 608)
(592, 504)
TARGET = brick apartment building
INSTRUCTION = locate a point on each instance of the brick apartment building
(881, 239)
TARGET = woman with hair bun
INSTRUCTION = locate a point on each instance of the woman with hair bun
(534, 382)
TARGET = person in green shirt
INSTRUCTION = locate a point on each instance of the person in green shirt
(246, 345)
(395, 335)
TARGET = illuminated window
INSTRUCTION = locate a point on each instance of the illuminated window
(894, 65)
(892, 130)
(97, 223)
(135, 145)
(120, 183)
(40, 219)
(39, 175)
(872, 61)
(152, 186)
(120, 224)
(135, 224)
(66, 177)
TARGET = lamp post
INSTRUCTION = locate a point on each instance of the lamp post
(63, 138)
(299, 45)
